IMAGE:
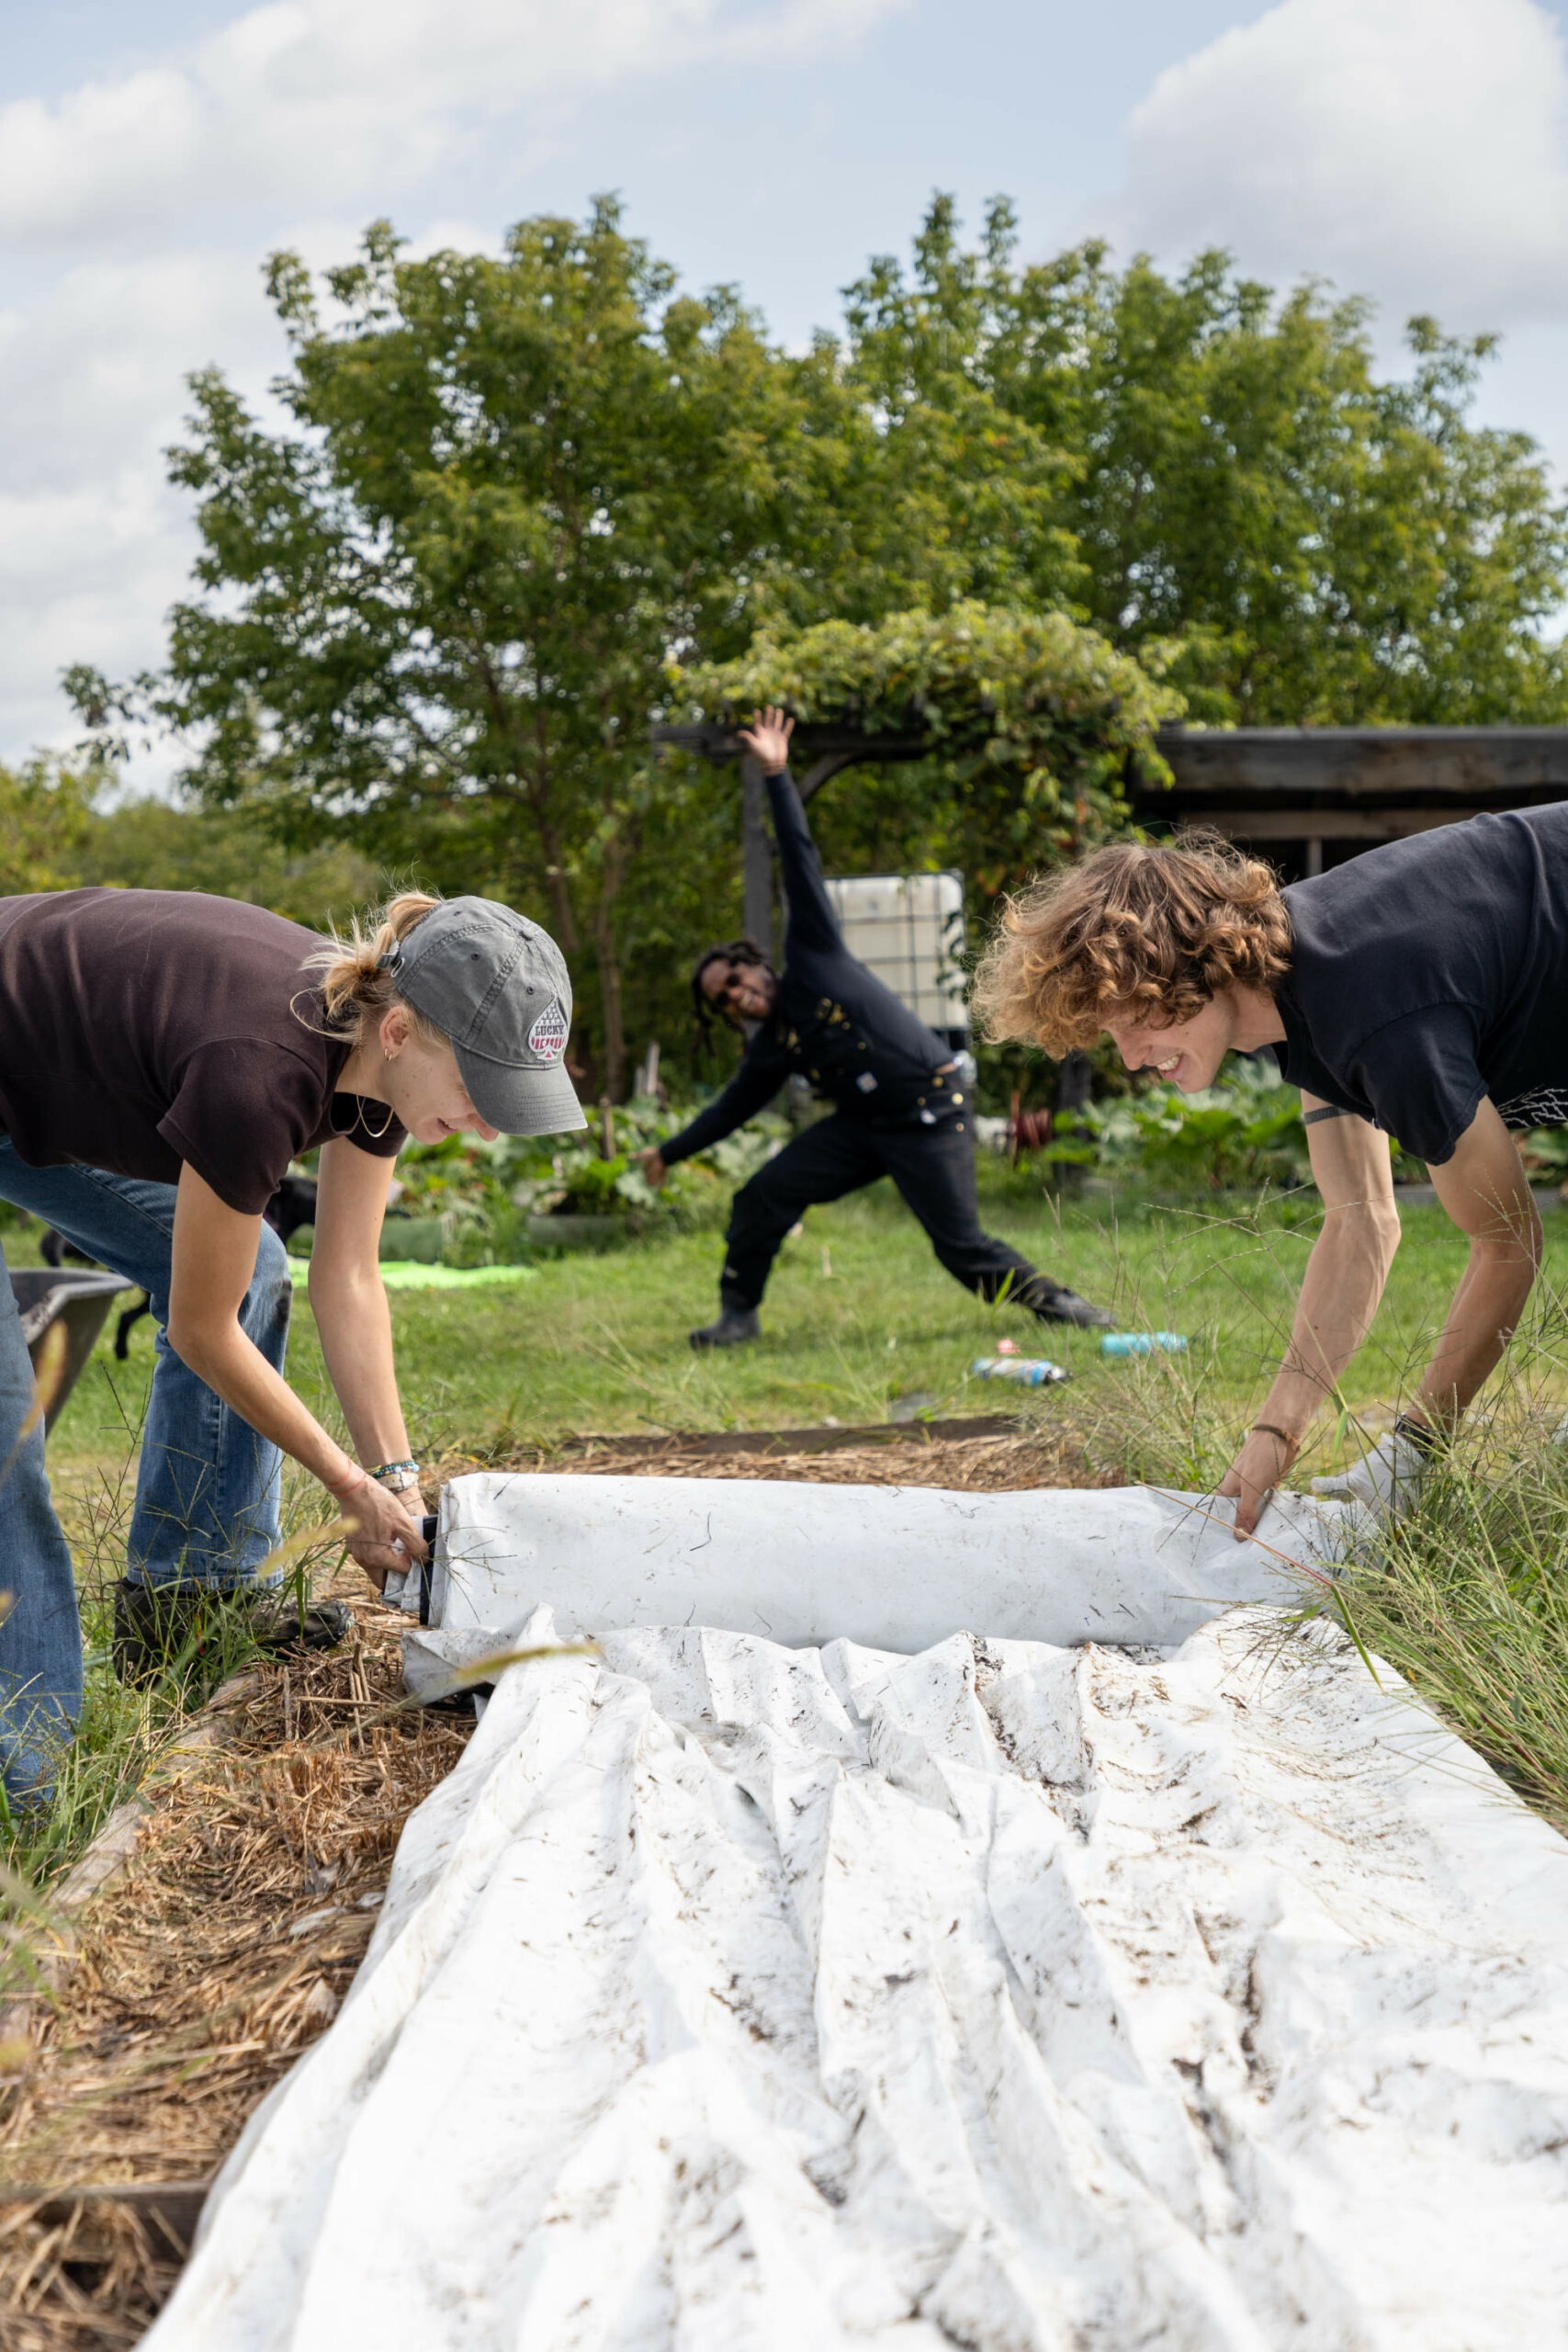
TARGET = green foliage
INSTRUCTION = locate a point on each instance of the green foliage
(147, 844)
(1028, 507)
(63, 828)
(1032, 721)
(1469, 1600)
(45, 817)
(1318, 545)
(1545, 1154)
(486, 1193)
(1244, 1132)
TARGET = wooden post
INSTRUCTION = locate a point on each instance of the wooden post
(756, 858)
(1075, 1083)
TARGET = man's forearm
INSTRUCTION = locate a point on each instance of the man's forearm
(749, 1091)
(1482, 1320)
(1340, 1292)
(812, 921)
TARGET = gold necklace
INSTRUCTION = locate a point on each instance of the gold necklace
(360, 1125)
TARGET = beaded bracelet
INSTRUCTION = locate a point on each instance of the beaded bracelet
(391, 1469)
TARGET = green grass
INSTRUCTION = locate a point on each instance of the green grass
(859, 1314)
(860, 1317)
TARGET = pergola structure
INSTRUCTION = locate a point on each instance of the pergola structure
(825, 750)
(1308, 797)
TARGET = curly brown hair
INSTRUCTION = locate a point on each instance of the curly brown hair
(1136, 929)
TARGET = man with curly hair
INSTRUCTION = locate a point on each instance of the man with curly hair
(1417, 991)
(900, 1108)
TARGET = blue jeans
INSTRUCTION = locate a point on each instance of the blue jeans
(207, 1495)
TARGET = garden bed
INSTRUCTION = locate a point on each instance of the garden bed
(223, 1951)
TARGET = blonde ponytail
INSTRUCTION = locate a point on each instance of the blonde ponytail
(356, 992)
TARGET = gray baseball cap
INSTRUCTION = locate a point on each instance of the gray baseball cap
(497, 986)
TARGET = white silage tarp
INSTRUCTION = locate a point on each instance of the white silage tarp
(897, 1568)
(1006, 1995)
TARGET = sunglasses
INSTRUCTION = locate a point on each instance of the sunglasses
(729, 987)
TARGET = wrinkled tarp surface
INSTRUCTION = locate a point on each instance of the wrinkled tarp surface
(730, 1994)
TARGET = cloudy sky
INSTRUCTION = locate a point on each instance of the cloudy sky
(1413, 150)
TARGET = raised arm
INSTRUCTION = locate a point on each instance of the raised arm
(812, 921)
(1340, 1290)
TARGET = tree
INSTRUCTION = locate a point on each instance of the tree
(513, 497)
(1320, 547)
(45, 816)
(438, 609)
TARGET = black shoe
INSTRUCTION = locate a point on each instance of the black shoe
(736, 1325)
(159, 1627)
(1054, 1306)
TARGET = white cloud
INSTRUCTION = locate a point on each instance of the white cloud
(309, 101)
(1416, 150)
(312, 111)
(98, 545)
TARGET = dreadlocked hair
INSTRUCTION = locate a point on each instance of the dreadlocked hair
(738, 951)
(355, 989)
(1135, 930)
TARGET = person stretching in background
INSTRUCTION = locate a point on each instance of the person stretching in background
(901, 1106)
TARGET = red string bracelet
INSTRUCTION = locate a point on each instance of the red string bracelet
(338, 1485)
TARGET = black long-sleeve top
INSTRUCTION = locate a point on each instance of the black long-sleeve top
(835, 1021)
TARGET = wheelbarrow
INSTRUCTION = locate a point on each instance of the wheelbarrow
(79, 1302)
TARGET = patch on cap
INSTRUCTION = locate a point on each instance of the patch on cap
(548, 1036)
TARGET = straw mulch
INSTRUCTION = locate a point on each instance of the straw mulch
(1021, 1457)
(202, 1973)
(227, 1947)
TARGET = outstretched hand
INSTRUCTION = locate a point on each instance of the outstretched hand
(1254, 1475)
(767, 739)
(651, 1163)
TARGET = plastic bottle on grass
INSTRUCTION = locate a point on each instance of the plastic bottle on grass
(1141, 1343)
(1029, 1372)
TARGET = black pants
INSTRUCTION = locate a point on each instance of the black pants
(933, 1169)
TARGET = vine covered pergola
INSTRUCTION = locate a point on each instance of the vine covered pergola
(1034, 721)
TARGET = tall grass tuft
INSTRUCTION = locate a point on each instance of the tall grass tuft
(1467, 1594)
(1469, 1600)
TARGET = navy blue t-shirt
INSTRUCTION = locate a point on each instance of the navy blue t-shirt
(1431, 973)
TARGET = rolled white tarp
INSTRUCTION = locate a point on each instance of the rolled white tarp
(736, 1997)
(895, 1568)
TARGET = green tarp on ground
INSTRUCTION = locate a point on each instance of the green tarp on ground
(406, 1273)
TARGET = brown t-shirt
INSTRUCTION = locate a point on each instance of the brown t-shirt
(144, 1029)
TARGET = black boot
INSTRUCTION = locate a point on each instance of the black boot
(736, 1325)
(160, 1627)
(1050, 1304)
